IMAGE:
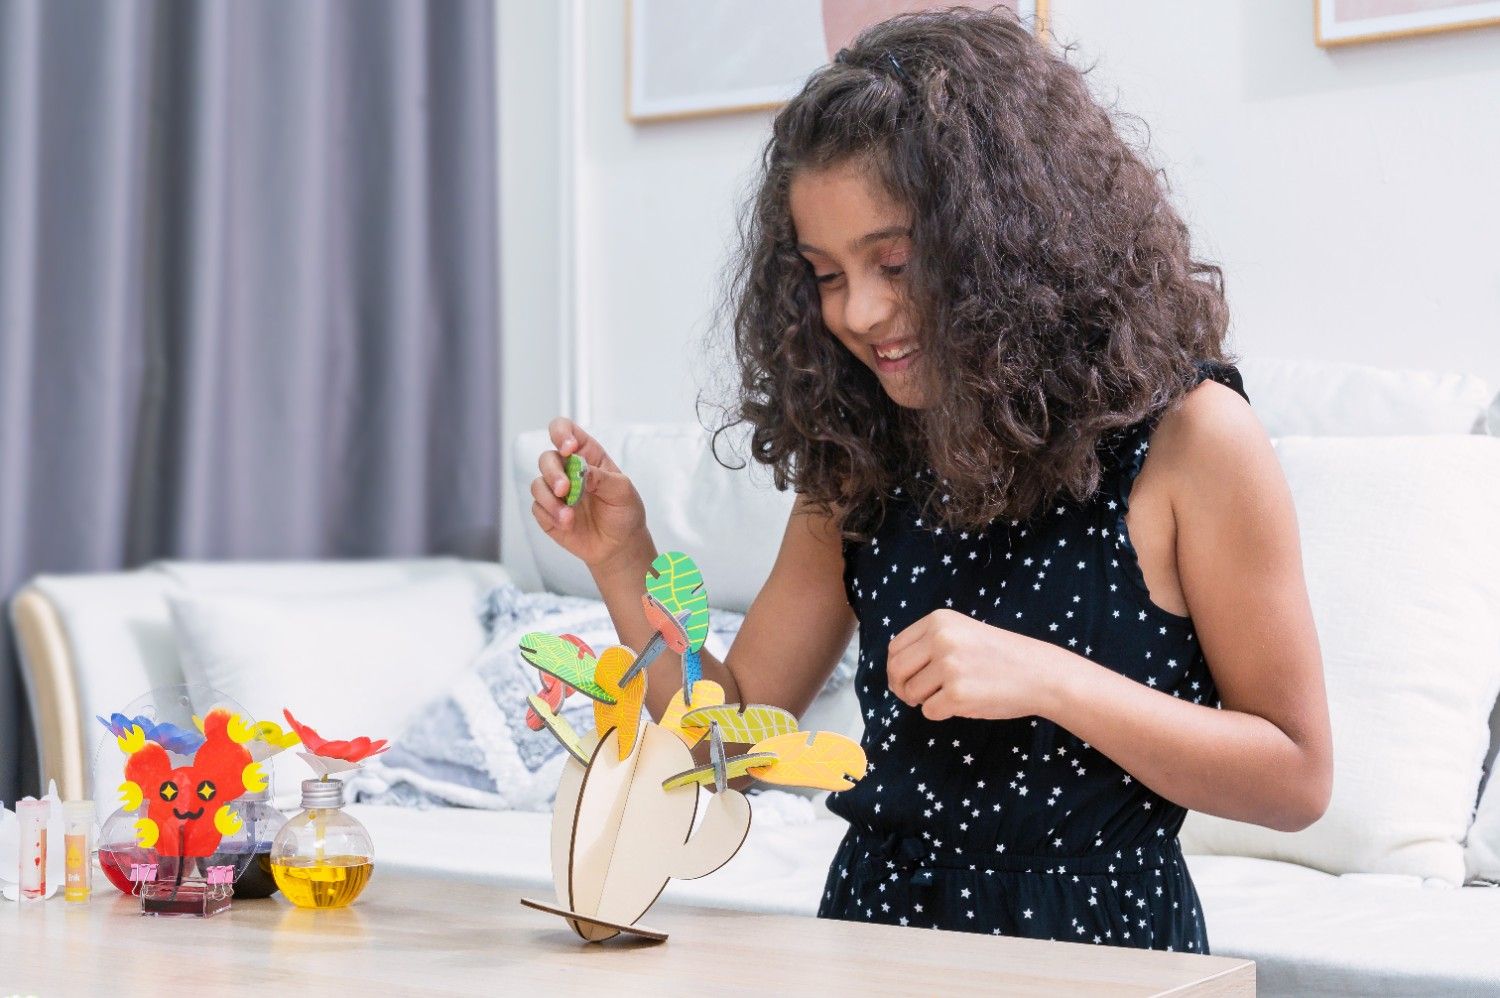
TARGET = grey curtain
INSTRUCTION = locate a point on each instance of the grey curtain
(247, 287)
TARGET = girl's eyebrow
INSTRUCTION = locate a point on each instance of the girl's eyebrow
(864, 240)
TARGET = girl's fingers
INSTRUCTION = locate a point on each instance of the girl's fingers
(550, 464)
(938, 707)
(544, 519)
(570, 438)
(549, 503)
(923, 686)
(901, 666)
(906, 636)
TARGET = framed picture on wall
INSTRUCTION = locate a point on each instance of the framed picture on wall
(1345, 22)
(688, 58)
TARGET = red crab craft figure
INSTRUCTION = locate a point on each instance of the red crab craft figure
(327, 756)
(187, 808)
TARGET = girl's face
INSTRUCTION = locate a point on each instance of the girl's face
(857, 241)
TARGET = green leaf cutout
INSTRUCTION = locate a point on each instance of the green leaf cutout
(576, 470)
(674, 579)
(562, 658)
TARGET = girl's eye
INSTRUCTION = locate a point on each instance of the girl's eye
(827, 278)
(893, 269)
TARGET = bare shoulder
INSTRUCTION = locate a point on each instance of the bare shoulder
(1213, 441)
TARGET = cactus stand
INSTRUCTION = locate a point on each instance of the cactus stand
(618, 837)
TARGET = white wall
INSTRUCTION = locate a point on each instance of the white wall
(1350, 195)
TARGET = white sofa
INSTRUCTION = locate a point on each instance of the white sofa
(91, 643)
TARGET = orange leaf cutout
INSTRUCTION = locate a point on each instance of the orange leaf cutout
(822, 759)
(706, 693)
(625, 713)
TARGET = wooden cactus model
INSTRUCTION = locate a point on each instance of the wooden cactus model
(622, 822)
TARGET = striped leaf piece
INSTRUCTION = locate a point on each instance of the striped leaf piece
(674, 579)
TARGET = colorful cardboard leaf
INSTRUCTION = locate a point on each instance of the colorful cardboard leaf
(559, 727)
(623, 710)
(663, 622)
(706, 693)
(557, 656)
(823, 759)
(739, 765)
(675, 580)
(746, 725)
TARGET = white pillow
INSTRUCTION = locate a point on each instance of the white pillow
(1401, 543)
(1328, 398)
(346, 664)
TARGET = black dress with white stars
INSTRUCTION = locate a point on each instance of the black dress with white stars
(1018, 827)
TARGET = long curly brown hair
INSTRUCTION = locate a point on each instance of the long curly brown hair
(1051, 284)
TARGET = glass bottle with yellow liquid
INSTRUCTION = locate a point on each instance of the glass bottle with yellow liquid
(322, 858)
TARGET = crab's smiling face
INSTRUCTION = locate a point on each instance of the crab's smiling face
(189, 795)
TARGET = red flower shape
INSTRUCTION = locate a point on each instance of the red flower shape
(354, 750)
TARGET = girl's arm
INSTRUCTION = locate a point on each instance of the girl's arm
(1267, 756)
(793, 634)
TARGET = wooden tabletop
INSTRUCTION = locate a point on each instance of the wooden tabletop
(412, 935)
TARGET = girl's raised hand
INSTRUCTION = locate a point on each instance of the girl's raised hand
(609, 517)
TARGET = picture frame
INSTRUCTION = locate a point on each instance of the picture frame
(1351, 22)
(776, 44)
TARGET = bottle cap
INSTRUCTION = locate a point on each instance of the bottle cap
(78, 811)
(322, 794)
(30, 807)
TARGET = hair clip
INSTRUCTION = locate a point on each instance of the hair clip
(900, 73)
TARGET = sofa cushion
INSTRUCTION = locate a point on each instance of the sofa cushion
(1400, 544)
(1311, 933)
(347, 663)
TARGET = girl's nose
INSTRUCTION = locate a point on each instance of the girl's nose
(867, 307)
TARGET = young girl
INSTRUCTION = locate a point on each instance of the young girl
(965, 313)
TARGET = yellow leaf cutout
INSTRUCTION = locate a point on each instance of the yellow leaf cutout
(253, 777)
(706, 693)
(226, 821)
(625, 712)
(240, 730)
(560, 728)
(130, 796)
(133, 740)
(823, 759)
(735, 766)
(146, 832)
(743, 725)
(273, 735)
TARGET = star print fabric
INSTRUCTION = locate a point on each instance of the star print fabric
(1018, 827)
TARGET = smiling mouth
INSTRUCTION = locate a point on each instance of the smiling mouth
(897, 351)
(188, 815)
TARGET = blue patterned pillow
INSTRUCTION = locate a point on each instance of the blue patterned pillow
(472, 747)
